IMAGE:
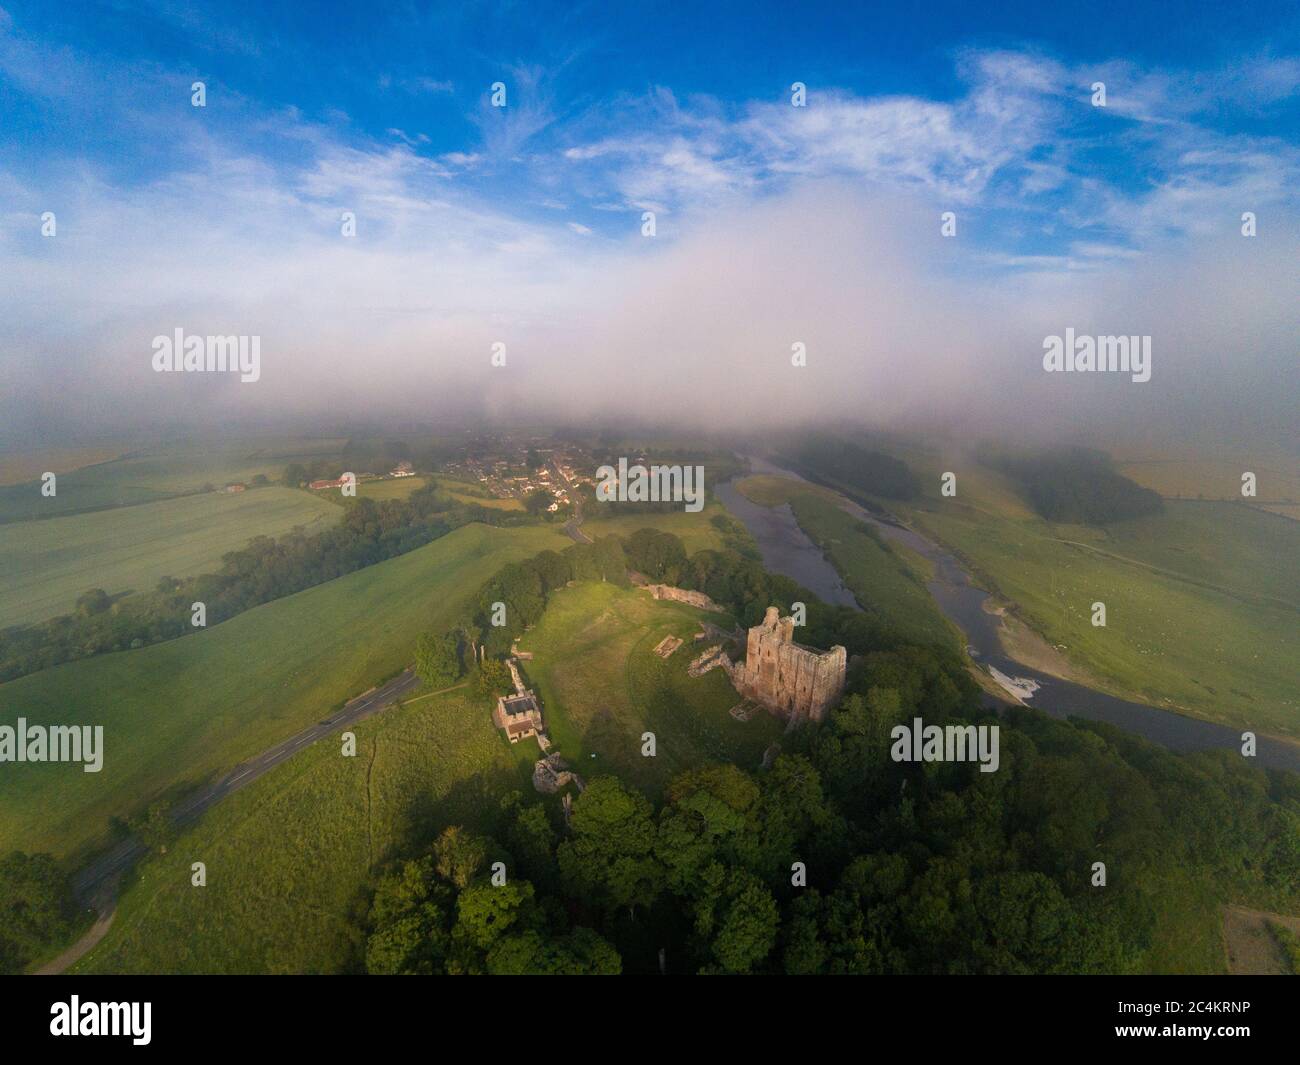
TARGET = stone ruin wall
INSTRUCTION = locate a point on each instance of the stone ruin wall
(796, 682)
(683, 595)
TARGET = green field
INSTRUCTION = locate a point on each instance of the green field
(176, 712)
(160, 473)
(770, 490)
(19, 466)
(1202, 601)
(287, 856)
(45, 565)
(1230, 547)
(1170, 641)
(1217, 477)
(602, 686)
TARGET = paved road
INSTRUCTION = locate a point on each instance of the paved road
(113, 862)
(573, 527)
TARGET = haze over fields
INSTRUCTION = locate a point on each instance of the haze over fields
(774, 225)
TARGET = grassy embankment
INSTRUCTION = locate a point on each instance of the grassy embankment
(287, 856)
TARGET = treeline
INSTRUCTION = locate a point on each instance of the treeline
(869, 471)
(265, 569)
(359, 456)
(1075, 486)
(840, 860)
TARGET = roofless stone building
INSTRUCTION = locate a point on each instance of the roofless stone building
(796, 682)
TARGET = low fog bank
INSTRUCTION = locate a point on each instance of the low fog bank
(904, 330)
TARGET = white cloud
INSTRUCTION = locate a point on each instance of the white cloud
(778, 224)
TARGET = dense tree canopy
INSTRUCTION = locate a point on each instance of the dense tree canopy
(437, 659)
(35, 908)
(847, 463)
(935, 868)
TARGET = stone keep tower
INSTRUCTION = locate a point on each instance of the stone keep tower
(795, 682)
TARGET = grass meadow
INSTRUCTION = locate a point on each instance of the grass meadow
(390, 488)
(176, 712)
(1202, 601)
(695, 530)
(45, 565)
(287, 857)
(1198, 477)
(1176, 635)
(17, 467)
(602, 686)
(468, 492)
(156, 473)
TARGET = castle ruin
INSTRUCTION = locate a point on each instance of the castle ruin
(795, 682)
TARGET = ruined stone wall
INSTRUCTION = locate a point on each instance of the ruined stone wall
(793, 681)
(710, 659)
(684, 595)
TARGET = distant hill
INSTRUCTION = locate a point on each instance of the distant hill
(872, 472)
(1076, 486)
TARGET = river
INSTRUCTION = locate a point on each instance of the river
(787, 549)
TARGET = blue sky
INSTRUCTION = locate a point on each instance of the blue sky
(589, 78)
(474, 220)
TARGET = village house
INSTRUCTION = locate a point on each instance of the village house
(519, 715)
